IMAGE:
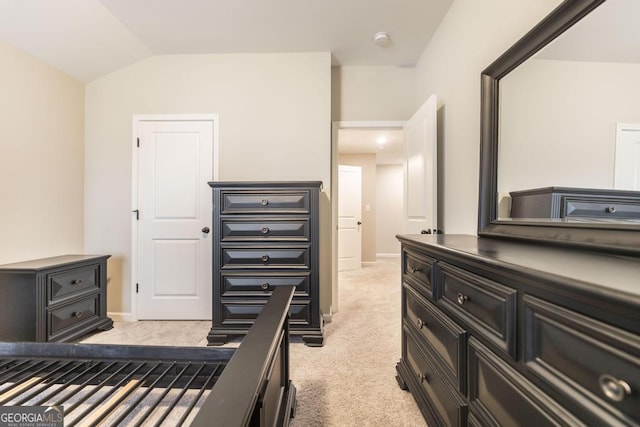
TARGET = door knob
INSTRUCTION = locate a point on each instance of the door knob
(206, 230)
(359, 223)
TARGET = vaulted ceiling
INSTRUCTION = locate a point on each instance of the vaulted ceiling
(90, 38)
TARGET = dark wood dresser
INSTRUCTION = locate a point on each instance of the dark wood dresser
(501, 333)
(569, 203)
(53, 299)
(265, 235)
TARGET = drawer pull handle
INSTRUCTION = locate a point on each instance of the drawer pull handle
(265, 258)
(462, 298)
(76, 282)
(264, 230)
(264, 202)
(422, 377)
(611, 209)
(614, 389)
(421, 323)
(76, 314)
(265, 286)
(414, 269)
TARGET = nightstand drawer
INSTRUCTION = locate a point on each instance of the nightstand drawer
(592, 360)
(265, 202)
(485, 305)
(595, 207)
(265, 229)
(441, 334)
(244, 313)
(72, 282)
(450, 407)
(419, 270)
(265, 257)
(72, 314)
(263, 284)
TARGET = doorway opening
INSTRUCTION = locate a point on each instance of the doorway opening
(377, 147)
(379, 152)
(416, 187)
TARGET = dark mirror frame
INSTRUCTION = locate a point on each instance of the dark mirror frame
(619, 238)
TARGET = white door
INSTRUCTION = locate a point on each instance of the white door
(421, 209)
(627, 168)
(349, 217)
(174, 203)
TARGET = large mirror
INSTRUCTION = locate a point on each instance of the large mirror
(560, 148)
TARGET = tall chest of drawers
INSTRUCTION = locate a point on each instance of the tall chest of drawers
(265, 235)
(498, 333)
(53, 299)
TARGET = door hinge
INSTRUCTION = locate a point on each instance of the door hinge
(137, 212)
(138, 142)
(137, 288)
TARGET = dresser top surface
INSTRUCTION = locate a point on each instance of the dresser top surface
(578, 268)
(265, 184)
(51, 262)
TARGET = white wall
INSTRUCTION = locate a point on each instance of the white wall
(275, 114)
(558, 122)
(389, 208)
(41, 165)
(373, 93)
(472, 35)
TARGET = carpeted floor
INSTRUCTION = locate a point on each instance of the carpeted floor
(350, 381)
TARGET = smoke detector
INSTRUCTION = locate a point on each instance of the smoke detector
(381, 38)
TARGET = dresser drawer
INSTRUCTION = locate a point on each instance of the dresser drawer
(445, 401)
(265, 229)
(72, 314)
(500, 396)
(604, 207)
(265, 202)
(243, 313)
(486, 306)
(597, 365)
(265, 257)
(263, 284)
(418, 269)
(446, 338)
(70, 283)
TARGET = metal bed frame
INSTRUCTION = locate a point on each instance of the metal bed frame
(160, 385)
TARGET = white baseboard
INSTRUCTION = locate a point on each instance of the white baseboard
(326, 317)
(121, 317)
(383, 255)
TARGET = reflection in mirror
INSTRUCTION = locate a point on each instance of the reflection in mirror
(570, 119)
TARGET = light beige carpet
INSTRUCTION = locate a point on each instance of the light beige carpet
(350, 381)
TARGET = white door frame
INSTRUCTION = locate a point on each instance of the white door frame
(335, 126)
(137, 118)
